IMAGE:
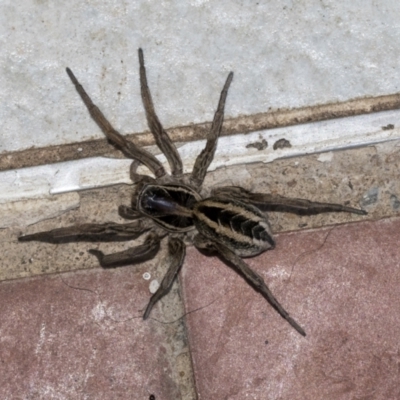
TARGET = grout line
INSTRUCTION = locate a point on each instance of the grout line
(233, 126)
(43, 181)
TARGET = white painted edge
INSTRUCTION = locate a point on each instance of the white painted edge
(43, 181)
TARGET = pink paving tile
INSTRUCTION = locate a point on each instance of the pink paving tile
(342, 285)
(81, 336)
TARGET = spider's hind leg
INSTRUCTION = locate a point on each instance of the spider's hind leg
(275, 202)
(255, 280)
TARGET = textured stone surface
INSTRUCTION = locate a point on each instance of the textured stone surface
(81, 336)
(25, 213)
(366, 177)
(71, 335)
(340, 284)
(284, 56)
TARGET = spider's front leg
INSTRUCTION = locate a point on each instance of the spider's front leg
(176, 255)
(127, 147)
(204, 159)
(127, 212)
(275, 202)
(107, 232)
(162, 139)
(140, 181)
(255, 280)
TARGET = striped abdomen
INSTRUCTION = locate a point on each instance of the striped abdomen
(239, 226)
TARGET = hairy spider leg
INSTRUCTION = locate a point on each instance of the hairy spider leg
(133, 255)
(204, 159)
(107, 232)
(255, 280)
(162, 138)
(176, 253)
(275, 202)
(128, 148)
(128, 212)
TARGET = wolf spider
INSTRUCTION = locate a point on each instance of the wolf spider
(231, 222)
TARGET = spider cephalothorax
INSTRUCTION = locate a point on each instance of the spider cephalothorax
(232, 222)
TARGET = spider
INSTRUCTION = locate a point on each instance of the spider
(232, 222)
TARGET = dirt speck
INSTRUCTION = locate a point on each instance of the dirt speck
(261, 145)
(281, 144)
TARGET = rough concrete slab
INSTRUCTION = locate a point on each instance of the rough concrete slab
(365, 177)
(312, 280)
(284, 56)
(341, 284)
(25, 213)
(81, 336)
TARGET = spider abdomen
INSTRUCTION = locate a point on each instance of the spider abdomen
(237, 225)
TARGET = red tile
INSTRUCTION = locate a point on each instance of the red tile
(342, 285)
(81, 336)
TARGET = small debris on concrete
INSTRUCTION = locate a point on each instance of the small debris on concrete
(371, 197)
(154, 285)
(281, 144)
(394, 201)
(261, 145)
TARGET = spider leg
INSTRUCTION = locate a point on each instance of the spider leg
(176, 250)
(162, 139)
(137, 178)
(134, 255)
(275, 202)
(128, 212)
(255, 280)
(90, 232)
(205, 157)
(128, 148)
(139, 181)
